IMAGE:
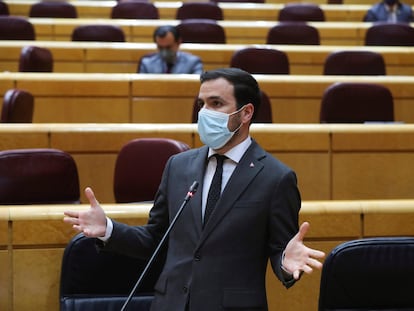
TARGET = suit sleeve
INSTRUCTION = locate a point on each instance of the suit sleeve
(284, 220)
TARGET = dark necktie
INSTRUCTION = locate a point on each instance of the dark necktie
(169, 67)
(215, 187)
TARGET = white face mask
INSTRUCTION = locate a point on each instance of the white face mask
(213, 129)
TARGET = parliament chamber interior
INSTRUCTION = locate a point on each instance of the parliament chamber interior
(340, 112)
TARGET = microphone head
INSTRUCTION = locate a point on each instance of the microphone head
(193, 188)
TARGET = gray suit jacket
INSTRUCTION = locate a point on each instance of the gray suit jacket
(379, 13)
(185, 63)
(222, 266)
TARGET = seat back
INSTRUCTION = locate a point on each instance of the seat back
(16, 28)
(38, 176)
(98, 280)
(139, 167)
(263, 115)
(201, 31)
(354, 63)
(4, 8)
(135, 10)
(390, 34)
(347, 102)
(18, 106)
(35, 59)
(261, 61)
(204, 10)
(301, 12)
(57, 9)
(293, 33)
(369, 274)
(99, 33)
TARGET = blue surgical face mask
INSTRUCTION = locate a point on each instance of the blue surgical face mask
(213, 129)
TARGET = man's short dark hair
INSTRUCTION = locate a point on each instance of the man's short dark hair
(246, 88)
(162, 31)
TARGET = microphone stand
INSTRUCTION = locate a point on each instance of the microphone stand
(190, 193)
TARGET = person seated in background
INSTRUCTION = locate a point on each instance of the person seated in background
(169, 59)
(390, 11)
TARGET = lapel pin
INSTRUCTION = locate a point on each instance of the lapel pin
(251, 164)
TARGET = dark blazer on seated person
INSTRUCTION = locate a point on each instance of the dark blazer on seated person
(380, 13)
(184, 63)
(251, 199)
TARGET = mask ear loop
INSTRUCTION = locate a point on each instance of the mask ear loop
(233, 113)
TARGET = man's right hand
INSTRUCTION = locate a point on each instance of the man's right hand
(91, 222)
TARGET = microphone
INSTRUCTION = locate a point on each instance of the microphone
(191, 191)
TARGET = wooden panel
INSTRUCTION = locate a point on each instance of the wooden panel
(36, 274)
(17, 136)
(4, 280)
(371, 175)
(4, 228)
(246, 32)
(124, 57)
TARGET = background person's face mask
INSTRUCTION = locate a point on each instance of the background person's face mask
(213, 127)
(168, 55)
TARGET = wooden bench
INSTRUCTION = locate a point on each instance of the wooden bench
(32, 240)
(160, 98)
(92, 57)
(237, 32)
(231, 11)
(333, 162)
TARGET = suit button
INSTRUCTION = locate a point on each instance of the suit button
(197, 257)
(185, 289)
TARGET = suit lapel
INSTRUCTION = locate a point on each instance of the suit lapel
(197, 166)
(248, 167)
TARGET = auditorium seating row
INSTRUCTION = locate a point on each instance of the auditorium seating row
(333, 162)
(124, 98)
(237, 32)
(123, 58)
(32, 240)
(231, 11)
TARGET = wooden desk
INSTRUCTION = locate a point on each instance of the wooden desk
(333, 162)
(113, 98)
(33, 238)
(231, 11)
(92, 57)
(237, 32)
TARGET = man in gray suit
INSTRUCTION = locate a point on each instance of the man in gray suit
(169, 59)
(216, 259)
(389, 11)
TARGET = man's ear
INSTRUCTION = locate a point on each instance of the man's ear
(248, 112)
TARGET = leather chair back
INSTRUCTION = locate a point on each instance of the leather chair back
(201, 31)
(205, 10)
(293, 33)
(369, 274)
(98, 280)
(347, 102)
(4, 8)
(18, 106)
(55, 9)
(261, 61)
(303, 12)
(98, 33)
(354, 63)
(139, 167)
(135, 10)
(390, 34)
(16, 28)
(35, 59)
(38, 176)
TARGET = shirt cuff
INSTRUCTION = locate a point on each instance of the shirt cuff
(108, 231)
